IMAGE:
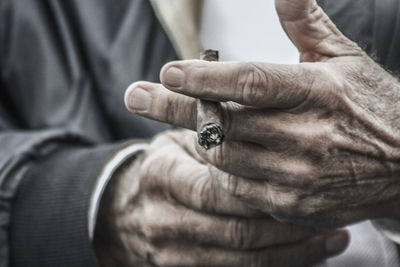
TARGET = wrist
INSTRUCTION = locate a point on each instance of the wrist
(108, 170)
(107, 241)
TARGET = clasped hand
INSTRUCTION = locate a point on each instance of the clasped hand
(165, 209)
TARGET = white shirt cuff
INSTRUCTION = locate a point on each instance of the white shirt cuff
(108, 170)
(388, 227)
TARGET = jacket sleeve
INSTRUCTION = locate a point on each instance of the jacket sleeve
(64, 67)
(46, 178)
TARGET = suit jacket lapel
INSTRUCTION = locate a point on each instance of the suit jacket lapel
(181, 21)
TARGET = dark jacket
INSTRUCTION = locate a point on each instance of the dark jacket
(64, 68)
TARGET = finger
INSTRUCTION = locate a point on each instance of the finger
(153, 101)
(271, 128)
(258, 194)
(312, 31)
(255, 162)
(294, 205)
(284, 203)
(180, 223)
(189, 182)
(247, 83)
(302, 254)
(238, 122)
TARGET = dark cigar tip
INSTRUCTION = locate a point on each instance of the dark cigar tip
(210, 135)
(210, 55)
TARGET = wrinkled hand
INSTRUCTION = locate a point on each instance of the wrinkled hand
(314, 143)
(165, 210)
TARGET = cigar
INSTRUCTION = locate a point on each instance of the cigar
(210, 133)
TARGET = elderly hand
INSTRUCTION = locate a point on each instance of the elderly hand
(165, 210)
(315, 143)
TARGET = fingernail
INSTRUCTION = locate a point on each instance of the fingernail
(140, 100)
(337, 243)
(174, 78)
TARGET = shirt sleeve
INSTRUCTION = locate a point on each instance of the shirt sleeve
(105, 175)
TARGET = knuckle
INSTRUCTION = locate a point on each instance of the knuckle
(169, 111)
(152, 228)
(206, 196)
(284, 205)
(252, 84)
(323, 135)
(303, 175)
(162, 259)
(324, 86)
(296, 207)
(154, 175)
(151, 181)
(202, 80)
(310, 90)
(272, 198)
(152, 232)
(240, 233)
(292, 206)
(231, 185)
(218, 155)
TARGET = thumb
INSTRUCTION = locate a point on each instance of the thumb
(312, 32)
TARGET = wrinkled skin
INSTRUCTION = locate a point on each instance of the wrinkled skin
(164, 209)
(316, 143)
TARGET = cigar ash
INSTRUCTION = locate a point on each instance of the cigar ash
(210, 135)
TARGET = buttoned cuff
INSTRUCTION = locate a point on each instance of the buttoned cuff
(104, 177)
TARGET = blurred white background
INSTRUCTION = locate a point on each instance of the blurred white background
(246, 31)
